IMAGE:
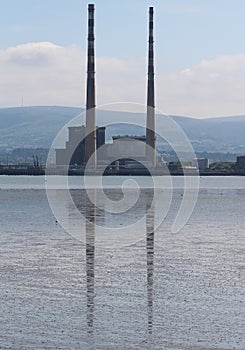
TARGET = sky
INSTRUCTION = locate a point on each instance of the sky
(199, 54)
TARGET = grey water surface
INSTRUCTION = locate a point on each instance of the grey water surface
(162, 291)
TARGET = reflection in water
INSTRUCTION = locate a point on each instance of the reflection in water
(150, 221)
(89, 209)
(90, 212)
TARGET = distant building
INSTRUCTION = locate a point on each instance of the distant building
(201, 163)
(240, 160)
(130, 151)
(74, 152)
(127, 147)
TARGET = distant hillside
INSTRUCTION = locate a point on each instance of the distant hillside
(33, 126)
(37, 127)
(215, 134)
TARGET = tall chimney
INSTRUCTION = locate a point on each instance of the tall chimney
(150, 122)
(90, 141)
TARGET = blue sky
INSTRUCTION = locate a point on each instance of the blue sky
(188, 33)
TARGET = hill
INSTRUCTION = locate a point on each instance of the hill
(34, 127)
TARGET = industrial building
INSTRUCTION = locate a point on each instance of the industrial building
(240, 161)
(201, 163)
(84, 141)
(74, 152)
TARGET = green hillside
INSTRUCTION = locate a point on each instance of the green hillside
(34, 127)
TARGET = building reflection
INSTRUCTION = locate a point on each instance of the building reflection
(91, 215)
(150, 223)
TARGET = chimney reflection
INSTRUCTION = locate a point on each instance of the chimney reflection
(150, 223)
(90, 213)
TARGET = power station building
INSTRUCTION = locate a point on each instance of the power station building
(74, 152)
(84, 141)
(241, 162)
(201, 163)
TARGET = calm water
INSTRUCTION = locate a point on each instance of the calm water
(161, 291)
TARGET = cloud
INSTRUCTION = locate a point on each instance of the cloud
(43, 73)
(32, 54)
(212, 88)
(48, 74)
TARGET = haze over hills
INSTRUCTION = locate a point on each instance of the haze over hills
(34, 127)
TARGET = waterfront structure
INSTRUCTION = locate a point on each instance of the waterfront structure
(135, 150)
(74, 152)
(150, 120)
(90, 140)
(240, 161)
(84, 141)
(201, 163)
(129, 150)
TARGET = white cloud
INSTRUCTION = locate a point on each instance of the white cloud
(31, 54)
(43, 73)
(48, 74)
(212, 88)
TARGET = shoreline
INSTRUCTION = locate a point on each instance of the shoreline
(122, 172)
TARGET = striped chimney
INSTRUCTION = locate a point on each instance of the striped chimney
(90, 141)
(150, 122)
